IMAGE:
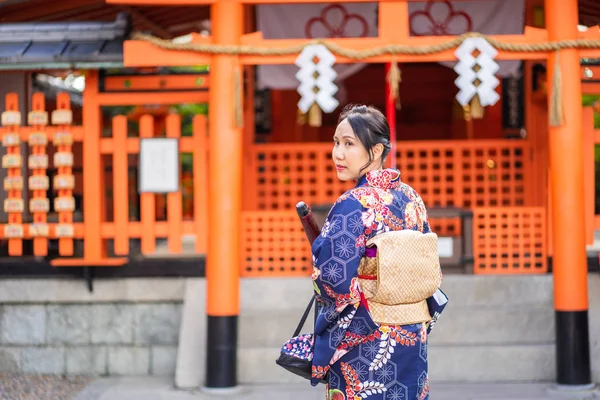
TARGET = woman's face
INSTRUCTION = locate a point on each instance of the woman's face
(349, 154)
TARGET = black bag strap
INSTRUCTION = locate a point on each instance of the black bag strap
(304, 316)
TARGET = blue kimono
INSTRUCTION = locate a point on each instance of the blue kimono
(360, 358)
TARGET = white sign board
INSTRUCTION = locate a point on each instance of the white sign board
(445, 247)
(159, 165)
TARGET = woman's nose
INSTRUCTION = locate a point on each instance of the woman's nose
(338, 154)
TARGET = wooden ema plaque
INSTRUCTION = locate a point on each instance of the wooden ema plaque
(63, 159)
(39, 182)
(13, 205)
(62, 139)
(39, 205)
(39, 230)
(37, 118)
(12, 161)
(11, 139)
(38, 139)
(62, 117)
(13, 231)
(38, 161)
(13, 183)
(64, 182)
(11, 118)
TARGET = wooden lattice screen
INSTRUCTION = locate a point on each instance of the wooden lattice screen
(285, 174)
(468, 174)
(274, 244)
(486, 173)
(510, 240)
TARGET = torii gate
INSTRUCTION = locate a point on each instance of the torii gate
(226, 139)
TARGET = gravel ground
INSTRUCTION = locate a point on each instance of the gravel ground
(40, 387)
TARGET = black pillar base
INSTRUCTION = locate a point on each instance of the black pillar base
(572, 348)
(221, 367)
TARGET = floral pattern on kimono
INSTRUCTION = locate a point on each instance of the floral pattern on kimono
(360, 358)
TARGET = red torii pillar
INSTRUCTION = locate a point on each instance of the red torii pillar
(568, 217)
(224, 201)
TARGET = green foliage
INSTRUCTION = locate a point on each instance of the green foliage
(188, 112)
(588, 100)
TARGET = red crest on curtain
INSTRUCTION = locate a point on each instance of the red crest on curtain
(439, 18)
(336, 22)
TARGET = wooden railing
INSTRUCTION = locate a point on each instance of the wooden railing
(147, 228)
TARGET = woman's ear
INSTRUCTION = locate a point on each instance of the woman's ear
(377, 151)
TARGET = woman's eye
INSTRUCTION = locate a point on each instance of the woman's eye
(348, 144)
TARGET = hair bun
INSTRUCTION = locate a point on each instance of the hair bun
(355, 108)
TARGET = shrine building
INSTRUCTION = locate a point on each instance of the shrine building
(153, 152)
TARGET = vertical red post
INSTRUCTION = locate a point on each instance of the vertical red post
(567, 198)
(64, 182)
(390, 112)
(13, 161)
(120, 181)
(92, 171)
(39, 205)
(147, 200)
(174, 204)
(394, 24)
(224, 200)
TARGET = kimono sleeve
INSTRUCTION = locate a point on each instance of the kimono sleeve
(336, 257)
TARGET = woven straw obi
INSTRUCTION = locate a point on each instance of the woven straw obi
(400, 277)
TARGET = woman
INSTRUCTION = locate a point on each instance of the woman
(358, 357)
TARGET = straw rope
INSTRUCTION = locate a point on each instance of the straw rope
(392, 49)
(394, 78)
(556, 112)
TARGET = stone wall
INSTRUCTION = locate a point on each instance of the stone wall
(495, 328)
(62, 329)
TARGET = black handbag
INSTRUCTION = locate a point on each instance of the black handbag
(296, 354)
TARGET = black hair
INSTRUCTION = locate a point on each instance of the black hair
(370, 126)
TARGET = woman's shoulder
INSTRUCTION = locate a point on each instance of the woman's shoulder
(348, 201)
(409, 192)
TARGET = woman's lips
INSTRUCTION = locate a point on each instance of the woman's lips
(340, 167)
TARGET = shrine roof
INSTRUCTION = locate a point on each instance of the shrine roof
(47, 45)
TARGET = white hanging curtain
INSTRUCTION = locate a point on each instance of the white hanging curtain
(325, 20)
(310, 20)
(490, 17)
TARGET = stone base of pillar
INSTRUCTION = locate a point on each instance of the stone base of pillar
(191, 361)
(223, 391)
(575, 392)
